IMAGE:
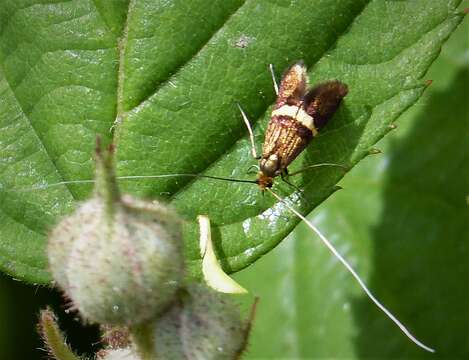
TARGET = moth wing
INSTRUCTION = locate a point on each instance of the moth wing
(322, 101)
(292, 86)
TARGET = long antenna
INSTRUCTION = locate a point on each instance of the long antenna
(136, 177)
(274, 81)
(131, 177)
(354, 274)
(251, 134)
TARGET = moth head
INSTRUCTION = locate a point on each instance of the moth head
(264, 181)
(270, 166)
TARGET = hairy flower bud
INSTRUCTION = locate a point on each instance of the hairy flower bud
(203, 325)
(118, 354)
(118, 259)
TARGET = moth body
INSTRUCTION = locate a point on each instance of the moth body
(299, 113)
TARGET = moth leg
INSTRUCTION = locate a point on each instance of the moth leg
(249, 170)
(271, 67)
(251, 134)
(343, 167)
(284, 175)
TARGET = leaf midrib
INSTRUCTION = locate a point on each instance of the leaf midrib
(121, 49)
(122, 42)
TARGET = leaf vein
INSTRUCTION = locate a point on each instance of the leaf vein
(37, 136)
(399, 51)
(212, 163)
(177, 69)
(121, 48)
(20, 9)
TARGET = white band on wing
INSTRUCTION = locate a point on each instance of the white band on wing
(297, 113)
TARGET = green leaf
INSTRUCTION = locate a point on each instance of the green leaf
(165, 77)
(402, 220)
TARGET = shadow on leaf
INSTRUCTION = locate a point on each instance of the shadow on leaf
(422, 239)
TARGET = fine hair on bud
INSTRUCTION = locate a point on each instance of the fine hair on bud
(118, 259)
(118, 354)
(204, 324)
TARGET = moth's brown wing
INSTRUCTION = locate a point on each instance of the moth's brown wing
(322, 101)
(292, 86)
(286, 138)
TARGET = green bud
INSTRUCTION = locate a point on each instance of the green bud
(118, 259)
(117, 354)
(204, 325)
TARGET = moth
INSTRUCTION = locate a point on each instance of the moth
(298, 115)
